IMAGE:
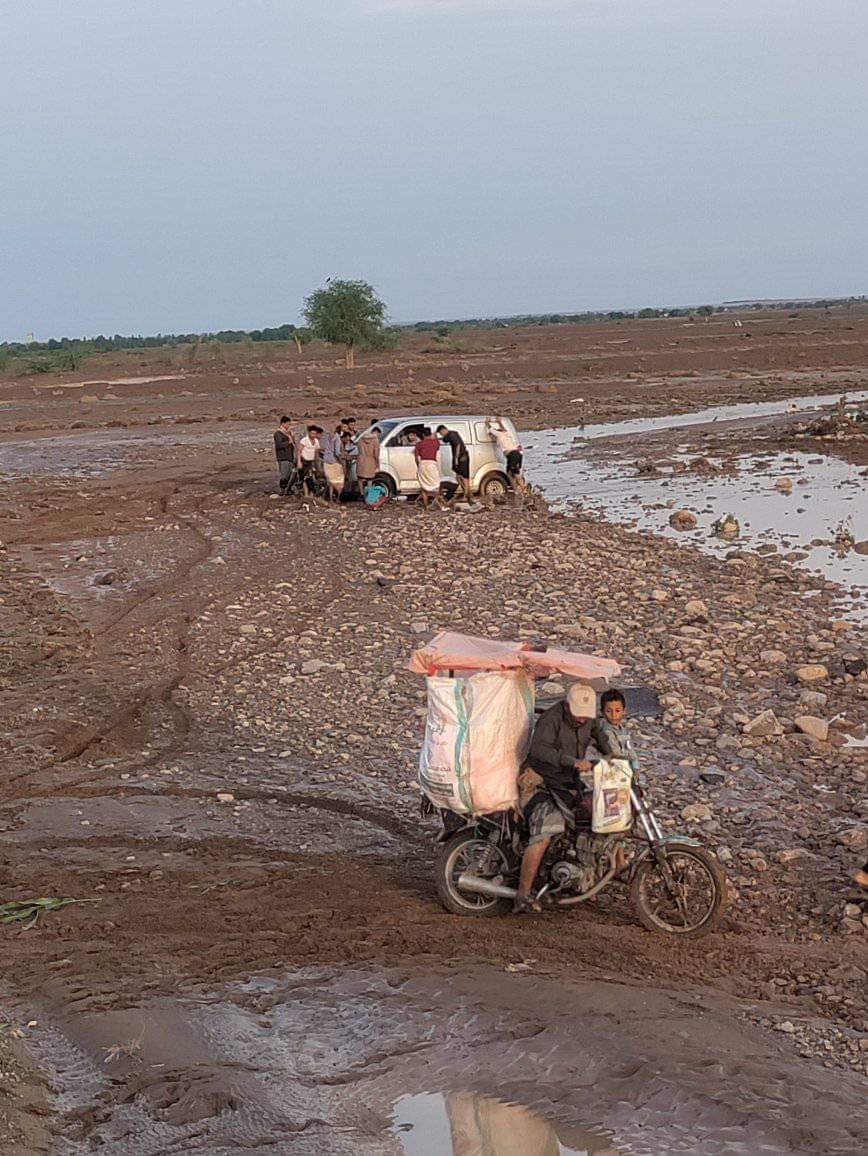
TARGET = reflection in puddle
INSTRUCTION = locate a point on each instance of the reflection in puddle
(467, 1124)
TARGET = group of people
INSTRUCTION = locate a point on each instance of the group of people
(347, 463)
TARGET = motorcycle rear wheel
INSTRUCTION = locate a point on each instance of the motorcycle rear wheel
(700, 896)
(463, 852)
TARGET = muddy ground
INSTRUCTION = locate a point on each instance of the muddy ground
(242, 822)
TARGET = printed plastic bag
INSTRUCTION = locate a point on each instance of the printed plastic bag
(612, 809)
(476, 738)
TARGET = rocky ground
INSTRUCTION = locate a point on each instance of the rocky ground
(211, 731)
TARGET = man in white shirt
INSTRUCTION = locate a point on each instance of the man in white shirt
(511, 450)
(308, 449)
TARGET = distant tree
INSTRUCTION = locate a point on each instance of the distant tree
(705, 310)
(347, 313)
(643, 313)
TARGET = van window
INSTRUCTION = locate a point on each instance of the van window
(482, 433)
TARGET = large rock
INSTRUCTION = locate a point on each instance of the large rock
(812, 672)
(856, 839)
(312, 666)
(764, 725)
(809, 724)
(696, 611)
(683, 520)
(785, 485)
(861, 547)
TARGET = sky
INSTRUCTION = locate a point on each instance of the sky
(192, 165)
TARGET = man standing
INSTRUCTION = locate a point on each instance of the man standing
(557, 754)
(285, 452)
(308, 450)
(332, 460)
(460, 459)
(427, 452)
(511, 450)
(368, 463)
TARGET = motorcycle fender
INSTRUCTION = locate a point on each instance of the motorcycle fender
(647, 850)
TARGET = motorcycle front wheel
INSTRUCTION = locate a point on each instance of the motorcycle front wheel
(692, 902)
(465, 851)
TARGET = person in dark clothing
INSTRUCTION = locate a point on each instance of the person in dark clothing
(557, 754)
(460, 459)
(285, 452)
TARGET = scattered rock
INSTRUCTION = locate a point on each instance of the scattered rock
(225, 797)
(419, 627)
(785, 485)
(861, 547)
(812, 672)
(106, 579)
(809, 724)
(312, 666)
(696, 611)
(683, 520)
(697, 813)
(855, 839)
(764, 725)
(772, 657)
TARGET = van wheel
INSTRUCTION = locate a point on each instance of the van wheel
(495, 486)
(388, 483)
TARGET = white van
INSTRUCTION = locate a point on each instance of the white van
(398, 462)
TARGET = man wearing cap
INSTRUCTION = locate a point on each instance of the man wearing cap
(557, 754)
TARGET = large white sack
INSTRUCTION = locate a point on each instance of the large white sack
(613, 811)
(476, 738)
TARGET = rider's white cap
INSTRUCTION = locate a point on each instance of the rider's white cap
(582, 701)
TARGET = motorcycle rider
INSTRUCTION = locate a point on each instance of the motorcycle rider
(558, 755)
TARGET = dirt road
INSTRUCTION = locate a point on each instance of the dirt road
(209, 731)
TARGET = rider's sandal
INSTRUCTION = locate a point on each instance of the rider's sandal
(524, 905)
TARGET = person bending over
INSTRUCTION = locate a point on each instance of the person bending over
(558, 755)
(460, 460)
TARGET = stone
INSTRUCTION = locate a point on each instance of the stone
(773, 657)
(785, 485)
(809, 724)
(659, 595)
(861, 547)
(697, 813)
(312, 666)
(727, 526)
(812, 672)
(696, 611)
(106, 579)
(786, 1027)
(791, 854)
(225, 797)
(852, 910)
(247, 628)
(419, 627)
(855, 839)
(813, 698)
(764, 725)
(683, 520)
(854, 664)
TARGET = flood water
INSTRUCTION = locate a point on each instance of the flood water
(467, 1124)
(602, 475)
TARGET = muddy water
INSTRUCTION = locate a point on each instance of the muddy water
(433, 1064)
(827, 493)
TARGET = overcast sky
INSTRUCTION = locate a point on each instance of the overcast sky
(173, 165)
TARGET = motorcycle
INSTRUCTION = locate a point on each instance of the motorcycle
(676, 884)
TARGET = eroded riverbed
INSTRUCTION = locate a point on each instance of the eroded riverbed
(429, 1063)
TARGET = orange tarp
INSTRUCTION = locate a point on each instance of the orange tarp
(464, 653)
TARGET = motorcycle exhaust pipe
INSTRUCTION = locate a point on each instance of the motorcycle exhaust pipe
(486, 886)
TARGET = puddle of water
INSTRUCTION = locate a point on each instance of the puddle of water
(826, 491)
(468, 1124)
(558, 441)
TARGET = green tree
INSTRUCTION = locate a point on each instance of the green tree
(347, 313)
(705, 310)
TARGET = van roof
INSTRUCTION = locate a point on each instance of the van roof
(427, 418)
